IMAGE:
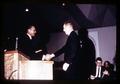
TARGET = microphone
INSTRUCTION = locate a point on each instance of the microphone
(16, 43)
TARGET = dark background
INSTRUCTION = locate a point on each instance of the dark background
(48, 18)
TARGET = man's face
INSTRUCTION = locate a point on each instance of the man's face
(67, 28)
(99, 63)
(32, 31)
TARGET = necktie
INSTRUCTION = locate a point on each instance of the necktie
(99, 72)
(96, 72)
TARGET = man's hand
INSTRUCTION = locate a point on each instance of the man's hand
(92, 77)
(47, 57)
(43, 57)
(106, 72)
(38, 51)
(65, 66)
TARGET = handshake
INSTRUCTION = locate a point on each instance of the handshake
(47, 57)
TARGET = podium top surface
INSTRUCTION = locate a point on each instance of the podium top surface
(40, 61)
(16, 51)
(12, 51)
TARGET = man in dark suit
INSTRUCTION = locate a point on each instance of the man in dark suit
(30, 45)
(86, 55)
(98, 70)
(69, 49)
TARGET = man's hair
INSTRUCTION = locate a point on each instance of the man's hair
(28, 27)
(107, 62)
(68, 22)
(71, 23)
(99, 59)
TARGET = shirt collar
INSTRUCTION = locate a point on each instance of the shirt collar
(29, 36)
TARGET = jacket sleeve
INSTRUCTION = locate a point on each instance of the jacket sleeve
(72, 48)
(60, 51)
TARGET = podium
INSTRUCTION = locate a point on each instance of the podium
(17, 66)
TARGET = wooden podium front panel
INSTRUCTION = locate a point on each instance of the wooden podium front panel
(8, 65)
(11, 64)
(36, 70)
(19, 67)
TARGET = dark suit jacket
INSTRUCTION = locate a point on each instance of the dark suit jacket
(110, 71)
(28, 47)
(85, 60)
(70, 48)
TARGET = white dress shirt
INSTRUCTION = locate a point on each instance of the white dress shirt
(98, 72)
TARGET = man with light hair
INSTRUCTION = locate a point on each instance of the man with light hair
(69, 49)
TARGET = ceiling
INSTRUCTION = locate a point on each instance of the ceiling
(50, 17)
